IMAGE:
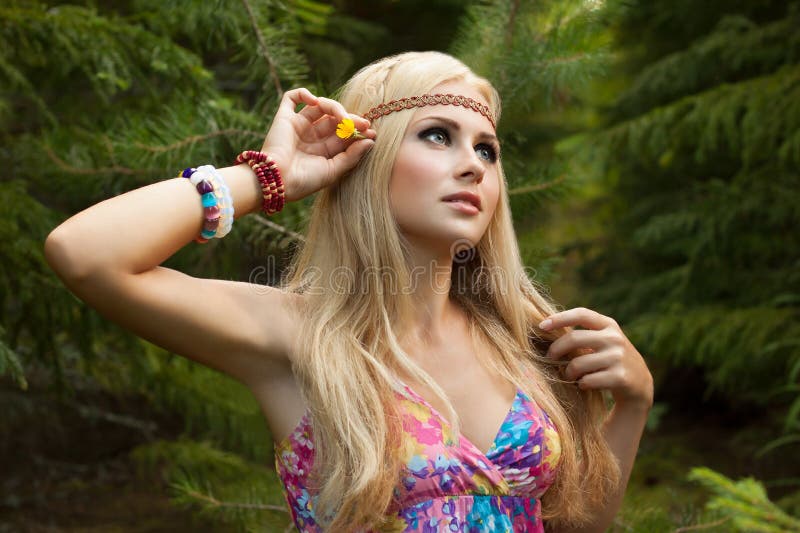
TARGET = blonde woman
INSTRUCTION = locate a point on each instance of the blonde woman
(412, 375)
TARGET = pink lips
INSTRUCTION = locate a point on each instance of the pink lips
(465, 197)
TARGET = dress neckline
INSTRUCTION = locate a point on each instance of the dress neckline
(461, 435)
(286, 440)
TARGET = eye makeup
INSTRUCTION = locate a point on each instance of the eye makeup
(488, 151)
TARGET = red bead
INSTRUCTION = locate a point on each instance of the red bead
(269, 178)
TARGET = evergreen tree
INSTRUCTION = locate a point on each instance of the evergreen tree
(743, 505)
(703, 170)
(694, 248)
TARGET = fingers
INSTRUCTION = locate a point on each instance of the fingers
(576, 339)
(323, 129)
(607, 379)
(588, 364)
(602, 370)
(332, 107)
(345, 161)
(613, 363)
(308, 137)
(579, 316)
(317, 106)
(323, 118)
(369, 133)
(325, 106)
(291, 99)
(322, 141)
(312, 113)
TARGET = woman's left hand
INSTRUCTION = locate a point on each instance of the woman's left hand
(606, 360)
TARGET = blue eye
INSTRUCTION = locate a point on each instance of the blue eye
(441, 136)
(437, 135)
(487, 152)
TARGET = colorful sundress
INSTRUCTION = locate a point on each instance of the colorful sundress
(446, 486)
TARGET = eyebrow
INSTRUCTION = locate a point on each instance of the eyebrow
(456, 126)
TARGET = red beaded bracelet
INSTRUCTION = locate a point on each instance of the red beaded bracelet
(268, 176)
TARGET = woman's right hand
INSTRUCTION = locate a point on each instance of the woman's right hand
(304, 144)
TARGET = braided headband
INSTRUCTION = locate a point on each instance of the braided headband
(429, 99)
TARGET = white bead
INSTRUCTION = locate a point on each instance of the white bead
(196, 178)
(224, 200)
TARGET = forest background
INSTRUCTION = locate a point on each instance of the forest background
(652, 151)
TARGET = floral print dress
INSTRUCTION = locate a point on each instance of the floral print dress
(444, 485)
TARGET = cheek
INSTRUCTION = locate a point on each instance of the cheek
(493, 194)
(413, 177)
(401, 187)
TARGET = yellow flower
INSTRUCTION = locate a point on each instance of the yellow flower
(346, 129)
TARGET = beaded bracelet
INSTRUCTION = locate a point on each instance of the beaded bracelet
(268, 176)
(211, 213)
(224, 200)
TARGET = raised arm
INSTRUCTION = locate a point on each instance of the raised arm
(109, 254)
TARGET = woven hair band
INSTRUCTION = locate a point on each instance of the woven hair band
(429, 99)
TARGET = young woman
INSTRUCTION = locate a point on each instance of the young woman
(412, 375)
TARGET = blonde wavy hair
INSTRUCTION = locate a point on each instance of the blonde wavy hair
(349, 346)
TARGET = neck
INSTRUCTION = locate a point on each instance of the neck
(431, 277)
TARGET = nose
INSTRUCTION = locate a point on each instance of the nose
(472, 166)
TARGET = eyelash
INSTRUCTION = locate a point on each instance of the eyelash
(492, 157)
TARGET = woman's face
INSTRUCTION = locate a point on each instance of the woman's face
(446, 149)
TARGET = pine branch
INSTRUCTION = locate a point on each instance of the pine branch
(11, 365)
(725, 349)
(264, 50)
(280, 229)
(707, 525)
(245, 493)
(538, 186)
(512, 17)
(66, 167)
(735, 50)
(573, 58)
(111, 54)
(532, 50)
(198, 138)
(741, 121)
(225, 410)
(745, 503)
(147, 427)
(207, 498)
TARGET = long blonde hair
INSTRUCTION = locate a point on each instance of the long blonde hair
(349, 346)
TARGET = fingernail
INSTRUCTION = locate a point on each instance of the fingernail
(544, 324)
